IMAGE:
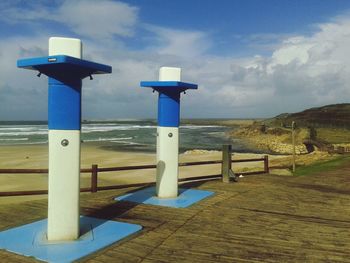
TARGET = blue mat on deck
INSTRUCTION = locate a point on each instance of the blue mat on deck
(185, 198)
(31, 239)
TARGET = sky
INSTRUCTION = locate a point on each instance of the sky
(250, 58)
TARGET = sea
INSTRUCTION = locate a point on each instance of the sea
(126, 135)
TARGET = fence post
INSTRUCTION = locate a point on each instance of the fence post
(226, 163)
(266, 164)
(94, 172)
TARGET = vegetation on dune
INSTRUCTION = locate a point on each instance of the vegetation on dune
(334, 135)
(323, 166)
(329, 116)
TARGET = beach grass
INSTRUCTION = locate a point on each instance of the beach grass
(334, 135)
(322, 166)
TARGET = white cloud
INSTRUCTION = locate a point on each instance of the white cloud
(13, 12)
(294, 50)
(319, 64)
(88, 18)
(21, 92)
(303, 71)
(181, 43)
(98, 19)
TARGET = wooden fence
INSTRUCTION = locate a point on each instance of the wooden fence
(226, 175)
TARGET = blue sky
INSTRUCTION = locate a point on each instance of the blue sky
(236, 26)
(250, 58)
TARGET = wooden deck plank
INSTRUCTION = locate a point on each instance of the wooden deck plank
(262, 218)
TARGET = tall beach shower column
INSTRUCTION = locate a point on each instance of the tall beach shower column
(166, 192)
(66, 69)
(169, 88)
(64, 236)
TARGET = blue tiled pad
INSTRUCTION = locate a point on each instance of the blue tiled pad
(186, 197)
(31, 240)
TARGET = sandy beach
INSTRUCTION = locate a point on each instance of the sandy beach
(36, 157)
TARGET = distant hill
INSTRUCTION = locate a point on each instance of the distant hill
(330, 116)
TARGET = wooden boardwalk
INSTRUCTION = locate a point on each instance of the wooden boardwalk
(262, 218)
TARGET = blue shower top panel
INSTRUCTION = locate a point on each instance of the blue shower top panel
(62, 65)
(168, 85)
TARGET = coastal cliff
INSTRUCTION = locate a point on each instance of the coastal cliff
(324, 129)
(272, 140)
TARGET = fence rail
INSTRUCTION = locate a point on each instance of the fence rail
(95, 170)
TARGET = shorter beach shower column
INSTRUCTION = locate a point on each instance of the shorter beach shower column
(65, 70)
(169, 88)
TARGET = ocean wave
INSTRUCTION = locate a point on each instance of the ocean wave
(200, 126)
(136, 135)
(115, 128)
(16, 129)
(129, 143)
(24, 133)
(107, 139)
(218, 133)
(21, 128)
(42, 142)
(99, 124)
(14, 139)
(23, 143)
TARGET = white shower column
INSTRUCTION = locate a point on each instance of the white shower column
(168, 142)
(169, 88)
(64, 147)
(65, 70)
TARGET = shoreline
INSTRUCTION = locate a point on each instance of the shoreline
(117, 148)
(35, 156)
